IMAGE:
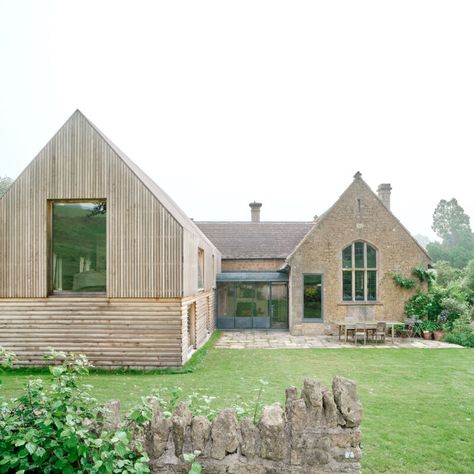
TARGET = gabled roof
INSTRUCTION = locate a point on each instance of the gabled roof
(357, 181)
(255, 240)
(161, 195)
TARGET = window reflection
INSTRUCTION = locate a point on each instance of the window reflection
(79, 246)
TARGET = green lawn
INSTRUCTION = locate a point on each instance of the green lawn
(418, 403)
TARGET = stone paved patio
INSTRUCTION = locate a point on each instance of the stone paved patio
(284, 340)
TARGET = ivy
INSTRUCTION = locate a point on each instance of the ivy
(403, 282)
(425, 276)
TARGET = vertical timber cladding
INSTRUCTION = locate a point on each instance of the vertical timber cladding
(144, 240)
(203, 300)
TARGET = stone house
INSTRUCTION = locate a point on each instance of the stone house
(96, 258)
(305, 276)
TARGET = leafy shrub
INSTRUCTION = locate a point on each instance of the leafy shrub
(426, 304)
(468, 282)
(461, 331)
(60, 428)
(6, 358)
(463, 339)
(446, 274)
(453, 307)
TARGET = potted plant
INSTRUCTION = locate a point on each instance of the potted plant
(427, 327)
(401, 332)
(439, 332)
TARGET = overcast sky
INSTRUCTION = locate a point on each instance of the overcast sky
(223, 103)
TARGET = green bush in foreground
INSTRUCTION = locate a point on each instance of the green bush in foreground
(461, 332)
(60, 428)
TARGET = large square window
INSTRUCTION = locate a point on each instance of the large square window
(79, 256)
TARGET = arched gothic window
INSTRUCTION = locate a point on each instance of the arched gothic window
(359, 272)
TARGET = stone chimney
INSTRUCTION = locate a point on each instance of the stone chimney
(384, 194)
(255, 211)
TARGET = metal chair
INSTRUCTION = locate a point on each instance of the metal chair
(380, 331)
(360, 333)
(410, 326)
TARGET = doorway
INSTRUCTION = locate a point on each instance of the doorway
(252, 305)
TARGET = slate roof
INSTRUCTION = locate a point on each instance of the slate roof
(242, 240)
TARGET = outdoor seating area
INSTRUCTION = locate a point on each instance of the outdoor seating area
(275, 339)
(376, 331)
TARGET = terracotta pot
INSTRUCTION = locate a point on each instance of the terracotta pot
(427, 335)
(438, 335)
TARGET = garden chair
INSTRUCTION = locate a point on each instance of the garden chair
(350, 328)
(360, 333)
(410, 325)
(380, 331)
(350, 331)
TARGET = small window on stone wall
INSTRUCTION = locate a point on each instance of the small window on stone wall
(359, 272)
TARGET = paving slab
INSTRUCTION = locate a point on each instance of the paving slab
(284, 340)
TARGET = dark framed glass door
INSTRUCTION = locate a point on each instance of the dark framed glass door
(279, 306)
(252, 305)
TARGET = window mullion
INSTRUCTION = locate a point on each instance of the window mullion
(365, 271)
(353, 270)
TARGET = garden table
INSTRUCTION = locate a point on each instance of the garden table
(392, 324)
(369, 326)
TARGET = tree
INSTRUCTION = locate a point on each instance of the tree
(446, 274)
(450, 222)
(5, 183)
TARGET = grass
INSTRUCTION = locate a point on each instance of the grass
(418, 403)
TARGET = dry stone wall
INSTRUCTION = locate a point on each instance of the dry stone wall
(316, 432)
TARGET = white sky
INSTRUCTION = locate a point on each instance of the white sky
(223, 103)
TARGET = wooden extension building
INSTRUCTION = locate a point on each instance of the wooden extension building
(96, 258)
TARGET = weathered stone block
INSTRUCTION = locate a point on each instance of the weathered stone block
(180, 421)
(158, 435)
(112, 415)
(272, 433)
(247, 469)
(297, 415)
(250, 445)
(346, 437)
(224, 434)
(345, 396)
(329, 409)
(291, 394)
(312, 394)
(200, 432)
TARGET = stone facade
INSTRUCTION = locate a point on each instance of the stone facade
(316, 432)
(252, 265)
(358, 215)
